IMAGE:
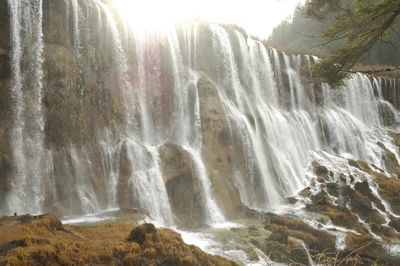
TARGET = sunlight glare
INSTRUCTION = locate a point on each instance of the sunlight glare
(258, 17)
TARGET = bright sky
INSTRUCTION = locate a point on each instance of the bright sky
(257, 17)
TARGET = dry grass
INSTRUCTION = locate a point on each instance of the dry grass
(44, 240)
(315, 239)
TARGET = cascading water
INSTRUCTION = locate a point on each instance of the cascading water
(256, 104)
(237, 109)
(186, 122)
(26, 91)
(145, 182)
(78, 20)
(121, 65)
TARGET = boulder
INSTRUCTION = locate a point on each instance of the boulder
(142, 233)
(183, 185)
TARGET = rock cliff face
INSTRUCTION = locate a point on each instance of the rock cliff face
(5, 70)
(196, 124)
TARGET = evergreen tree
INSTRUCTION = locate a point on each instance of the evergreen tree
(354, 29)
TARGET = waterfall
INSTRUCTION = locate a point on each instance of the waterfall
(146, 120)
(78, 19)
(245, 117)
(87, 196)
(237, 110)
(146, 184)
(121, 65)
(214, 214)
(277, 64)
(187, 123)
(27, 133)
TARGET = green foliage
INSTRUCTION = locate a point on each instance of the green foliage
(321, 9)
(329, 72)
(358, 31)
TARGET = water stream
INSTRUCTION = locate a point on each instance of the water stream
(274, 122)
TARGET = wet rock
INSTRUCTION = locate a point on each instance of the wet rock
(396, 138)
(5, 70)
(292, 200)
(279, 235)
(338, 214)
(387, 115)
(320, 170)
(364, 189)
(353, 163)
(6, 118)
(4, 20)
(220, 151)
(247, 212)
(293, 227)
(343, 179)
(361, 205)
(388, 187)
(343, 205)
(321, 179)
(287, 254)
(183, 185)
(320, 199)
(386, 232)
(332, 189)
(390, 161)
(306, 192)
(395, 223)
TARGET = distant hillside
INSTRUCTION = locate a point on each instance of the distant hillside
(299, 35)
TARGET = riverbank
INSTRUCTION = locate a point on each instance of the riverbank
(44, 240)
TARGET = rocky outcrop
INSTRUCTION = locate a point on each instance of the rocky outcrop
(283, 243)
(80, 82)
(43, 240)
(361, 202)
(167, 248)
(5, 115)
(223, 157)
(183, 185)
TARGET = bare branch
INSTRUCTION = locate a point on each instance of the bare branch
(356, 250)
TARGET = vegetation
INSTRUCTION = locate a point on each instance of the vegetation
(350, 32)
(43, 240)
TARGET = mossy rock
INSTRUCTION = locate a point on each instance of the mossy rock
(283, 226)
(43, 240)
